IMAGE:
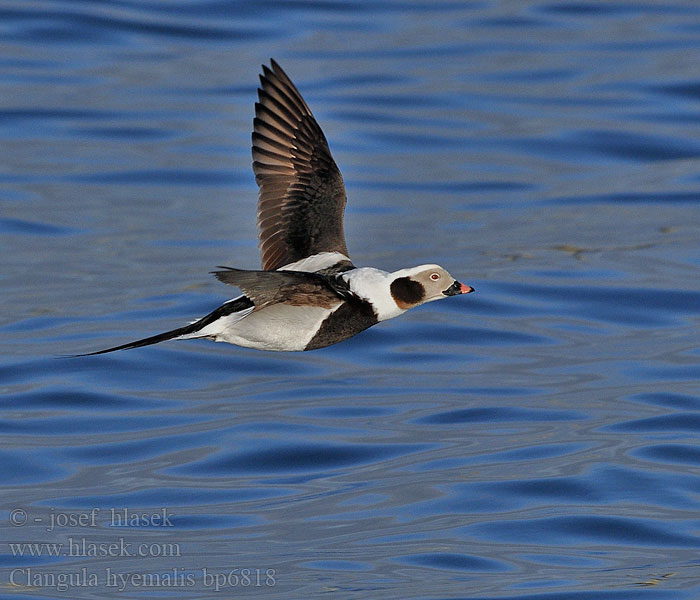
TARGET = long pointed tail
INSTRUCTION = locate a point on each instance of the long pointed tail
(240, 304)
(154, 339)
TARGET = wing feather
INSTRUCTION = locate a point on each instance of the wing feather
(265, 288)
(302, 194)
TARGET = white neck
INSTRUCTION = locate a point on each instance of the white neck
(373, 285)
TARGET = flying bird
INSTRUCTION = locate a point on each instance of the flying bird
(308, 294)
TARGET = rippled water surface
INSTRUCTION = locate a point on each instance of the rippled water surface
(537, 439)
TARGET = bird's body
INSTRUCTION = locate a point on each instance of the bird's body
(308, 294)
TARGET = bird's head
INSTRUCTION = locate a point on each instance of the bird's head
(425, 283)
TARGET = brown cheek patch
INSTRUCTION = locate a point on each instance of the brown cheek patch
(406, 292)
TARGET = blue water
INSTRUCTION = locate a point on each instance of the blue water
(535, 440)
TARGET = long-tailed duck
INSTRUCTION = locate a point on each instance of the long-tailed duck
(308, 294)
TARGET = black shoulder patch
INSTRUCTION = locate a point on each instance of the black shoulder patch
(339, 267)
(352, 317)
(406, 292)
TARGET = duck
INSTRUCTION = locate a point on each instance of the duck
(308, 293)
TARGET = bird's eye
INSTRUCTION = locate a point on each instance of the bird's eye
(435, 276)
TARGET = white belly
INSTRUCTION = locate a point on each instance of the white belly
(279, 327)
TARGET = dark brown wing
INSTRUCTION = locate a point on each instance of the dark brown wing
(302, 195)
(284, 287)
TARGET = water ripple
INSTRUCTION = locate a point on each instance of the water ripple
(306, 458)
(587, 529)
(59, 27)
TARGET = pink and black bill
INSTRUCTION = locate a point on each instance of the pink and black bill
(458, 288)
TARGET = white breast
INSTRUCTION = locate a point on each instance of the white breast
(278, 327)
(373, 285)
